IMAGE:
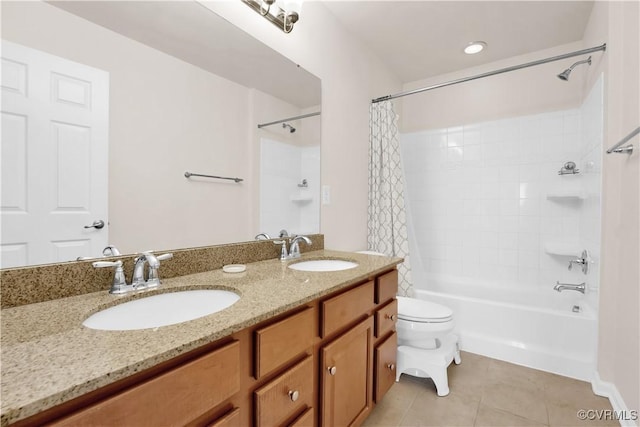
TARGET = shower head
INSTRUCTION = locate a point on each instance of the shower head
(287, 125)
(565, 74)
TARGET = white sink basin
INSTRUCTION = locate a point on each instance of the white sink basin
(161, 310)
(323, 265)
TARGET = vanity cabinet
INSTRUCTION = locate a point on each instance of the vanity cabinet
(176, 397)
(347, 376)
(325, 363)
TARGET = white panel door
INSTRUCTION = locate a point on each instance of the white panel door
(54, 158)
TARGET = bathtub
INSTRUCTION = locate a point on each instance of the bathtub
(529, 327)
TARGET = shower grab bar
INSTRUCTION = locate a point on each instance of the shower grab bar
(626, 149)
(189, 174)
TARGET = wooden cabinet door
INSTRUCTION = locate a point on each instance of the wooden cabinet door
(347, 376)
(385, 361)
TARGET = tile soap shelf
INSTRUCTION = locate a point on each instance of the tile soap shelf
(562, 248)
(575, 194)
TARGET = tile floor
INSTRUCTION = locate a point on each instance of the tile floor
(489, 392)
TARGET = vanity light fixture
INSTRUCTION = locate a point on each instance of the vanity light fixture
(281, 13)
(474, 47)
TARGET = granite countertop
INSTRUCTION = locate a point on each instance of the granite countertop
(49, 357)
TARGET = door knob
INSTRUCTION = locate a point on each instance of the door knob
(96, 224)
(332, 370)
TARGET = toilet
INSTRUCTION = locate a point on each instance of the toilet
(426, 343)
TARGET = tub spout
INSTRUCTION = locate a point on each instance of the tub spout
(570, 287)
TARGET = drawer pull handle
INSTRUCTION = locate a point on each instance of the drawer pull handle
(332, 370)
(294, 395)
(391, 367)
(390, 316)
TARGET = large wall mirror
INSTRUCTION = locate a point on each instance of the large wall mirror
(106, 105)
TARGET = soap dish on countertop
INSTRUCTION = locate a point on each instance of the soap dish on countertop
(234, 268)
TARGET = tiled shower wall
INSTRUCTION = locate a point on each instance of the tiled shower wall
(284, 205)
(486, 202)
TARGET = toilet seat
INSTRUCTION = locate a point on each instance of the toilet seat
(420, 311)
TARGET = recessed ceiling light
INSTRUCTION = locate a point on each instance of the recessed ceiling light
(474, 47)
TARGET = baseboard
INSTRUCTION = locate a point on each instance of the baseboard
(609, 390)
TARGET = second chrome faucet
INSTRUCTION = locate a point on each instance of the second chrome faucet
(294, 247)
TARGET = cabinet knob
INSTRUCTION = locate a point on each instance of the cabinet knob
(391, 366)
(390, 316)
(294, 395)
(332, 370)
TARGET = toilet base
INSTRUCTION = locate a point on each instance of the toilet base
(432, 364)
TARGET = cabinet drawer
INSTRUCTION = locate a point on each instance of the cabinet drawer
(342, 309)
(230, 419)
(287, 394)
(307, 419)
(386, 287)
(278, 343)
(385, 365)
(386, 318)
(173, 398)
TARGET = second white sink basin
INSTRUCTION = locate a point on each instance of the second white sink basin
(323, 265)
(161, 310)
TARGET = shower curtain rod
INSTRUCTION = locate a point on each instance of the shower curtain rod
(303, 116)
(492, 73)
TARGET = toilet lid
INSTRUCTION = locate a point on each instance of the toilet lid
(416, 310)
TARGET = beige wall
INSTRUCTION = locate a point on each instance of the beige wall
(351, 77)
(617, 23)
(526, 91)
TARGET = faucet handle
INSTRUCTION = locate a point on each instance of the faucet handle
(119, 284)
(164, 257)
(584, 261)
(284, 255)
(154, 277)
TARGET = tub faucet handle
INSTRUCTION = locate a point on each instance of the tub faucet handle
(584, 261)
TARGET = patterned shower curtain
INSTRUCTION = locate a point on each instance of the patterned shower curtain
(387, 226)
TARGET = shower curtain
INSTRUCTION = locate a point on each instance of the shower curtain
(387, 226)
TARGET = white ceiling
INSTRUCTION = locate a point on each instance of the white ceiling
(193, 33)
(420, 39)
(416, 39)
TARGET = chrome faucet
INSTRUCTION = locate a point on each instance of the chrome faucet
(294, 249)
(283, 233)
(138, 282)
(570, 287)
(110, 250)
(263, 236)
(153, 280)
